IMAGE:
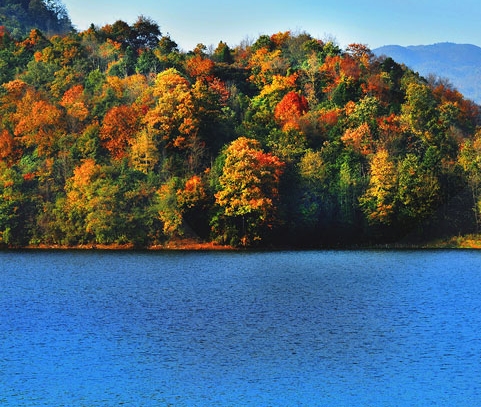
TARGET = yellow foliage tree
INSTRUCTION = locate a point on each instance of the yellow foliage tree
(378, 202)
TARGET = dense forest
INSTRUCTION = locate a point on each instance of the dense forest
(115, 136)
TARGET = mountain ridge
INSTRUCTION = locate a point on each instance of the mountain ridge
(459, 63)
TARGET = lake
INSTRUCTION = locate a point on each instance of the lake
(315, 328)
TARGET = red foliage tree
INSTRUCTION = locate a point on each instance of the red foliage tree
(290, 109)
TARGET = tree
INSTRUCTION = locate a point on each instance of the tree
(341, 75)
(360, 139)
(169, 211)
(470, 160)
(173, 118)
(200, 67)
(148, 63)
(107, 204)
(17, 207)
(145, 34)
(38, 123)
(290, 109)
(223, 53)
(143, 152)
(379, 201)
(249, 187)
(168, 53)
(74, 102)
(119, 127)
(419, 190)
(419, 110)
(312, 185)
(264, 65)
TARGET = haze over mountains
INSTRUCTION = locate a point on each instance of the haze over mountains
(459, 63)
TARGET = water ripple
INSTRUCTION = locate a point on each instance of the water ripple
(291, 328)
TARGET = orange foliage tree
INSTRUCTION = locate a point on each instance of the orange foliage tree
(9, 151)
(200, 67)
(360, 139)
(39, 123)
(74, 102)
(290, 109)
(119, 127)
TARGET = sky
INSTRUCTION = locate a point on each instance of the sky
(371, 22)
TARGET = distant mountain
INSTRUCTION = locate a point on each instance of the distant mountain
(459, 63)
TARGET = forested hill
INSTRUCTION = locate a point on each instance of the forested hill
(114, 136)
(459, 63)
(20, 16)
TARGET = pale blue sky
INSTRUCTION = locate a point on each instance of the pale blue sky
(371, 22)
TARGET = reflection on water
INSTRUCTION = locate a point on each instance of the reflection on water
(280, 329)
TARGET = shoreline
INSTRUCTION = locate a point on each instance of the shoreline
(182, 244)
(472, 242)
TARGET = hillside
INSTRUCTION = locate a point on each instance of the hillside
(459, 63)
(113, 136)
(21, 16)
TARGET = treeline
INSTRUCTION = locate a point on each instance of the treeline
(113, 135)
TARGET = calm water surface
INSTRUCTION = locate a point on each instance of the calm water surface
(373, 328)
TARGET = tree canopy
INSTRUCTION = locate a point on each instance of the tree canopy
(113, 135)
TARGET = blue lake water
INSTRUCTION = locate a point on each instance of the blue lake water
(341, 328)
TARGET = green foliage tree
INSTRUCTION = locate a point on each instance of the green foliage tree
(18, 208)
(107, 205)
(470, 160)
(418, 190)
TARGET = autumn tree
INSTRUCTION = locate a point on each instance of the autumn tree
(223, 53)
(200, 66)
(144, 153)
(75, 104)
(107, 204)
(249, 188)
(419, 109)
(167, 52)
(38, 122)
(341, 75)
(379, 201)
(290, 109)
(264, 65)
(311, 200)
(215, 118)
(168, 209)
(360, 139)
(259, 119)
(118, 130)
(173, 121)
